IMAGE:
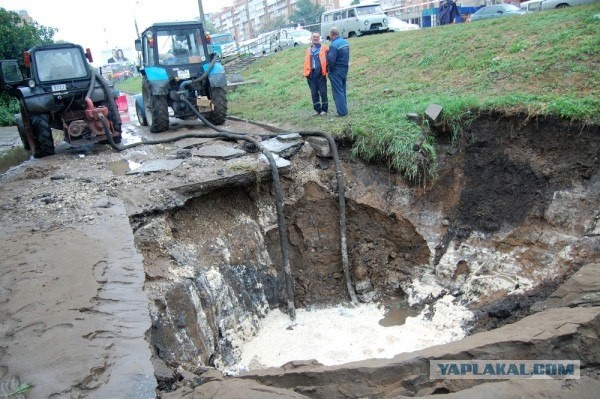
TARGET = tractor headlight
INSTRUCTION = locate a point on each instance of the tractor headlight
(31, 83)
(366, 23)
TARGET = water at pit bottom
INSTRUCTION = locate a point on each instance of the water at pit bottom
(342, 334)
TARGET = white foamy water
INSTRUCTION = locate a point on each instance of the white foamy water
(340, 335)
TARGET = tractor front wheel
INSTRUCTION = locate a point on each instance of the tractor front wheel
(157, 113)
(141, 115)
(21, 129)
(219, 101)
(43, 143)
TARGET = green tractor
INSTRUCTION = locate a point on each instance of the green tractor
(175, 65)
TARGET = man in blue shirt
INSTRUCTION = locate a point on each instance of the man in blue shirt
(338, 59)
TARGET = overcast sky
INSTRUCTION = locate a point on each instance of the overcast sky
(101, 25)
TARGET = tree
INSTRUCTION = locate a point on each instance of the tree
(306, 13)
(17, 35)
(210, 27)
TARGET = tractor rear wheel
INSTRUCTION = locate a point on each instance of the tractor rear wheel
(43, 143)
(219, 100)
(157, 113)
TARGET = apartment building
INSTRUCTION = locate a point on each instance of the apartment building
(246, 17)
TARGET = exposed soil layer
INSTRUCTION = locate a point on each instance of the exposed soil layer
(383, 249)
(512, 170)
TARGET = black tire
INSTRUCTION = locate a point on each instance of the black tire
(43, 143)
(562, 5)
(157, 113)
(21, 129)
(141, 117)
(351, 35)
(219, 100)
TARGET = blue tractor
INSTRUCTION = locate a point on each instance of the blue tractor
(175, 65)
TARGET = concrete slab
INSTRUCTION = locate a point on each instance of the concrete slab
(281, 162)
(87, 314)
(320, 145)
(284, 148)
(218, 152)
(159, 165)
(582, 289)
(191, 142)
(289, 137)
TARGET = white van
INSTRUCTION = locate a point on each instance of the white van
(355, 20)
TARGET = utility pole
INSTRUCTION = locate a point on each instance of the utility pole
(201, 9)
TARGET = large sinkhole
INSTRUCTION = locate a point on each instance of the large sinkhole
(214, 272)
(512, 213)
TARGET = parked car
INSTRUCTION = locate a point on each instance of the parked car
(398, 25)
(538, 5)
(300, 37)
(496, 11)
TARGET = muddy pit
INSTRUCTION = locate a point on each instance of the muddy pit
(513, 214)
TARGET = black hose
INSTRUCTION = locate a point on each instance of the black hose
(342, 208)
(283, 241)
(112, 105)
(186, 83)
(92, 83)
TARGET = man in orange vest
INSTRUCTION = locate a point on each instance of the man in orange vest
(315, 71)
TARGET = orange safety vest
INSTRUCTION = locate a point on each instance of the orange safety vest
(322, 58)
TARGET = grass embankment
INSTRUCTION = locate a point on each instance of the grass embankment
(131, 85)
(543, 63)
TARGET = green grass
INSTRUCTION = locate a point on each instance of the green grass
(541, 64)
(131, 85)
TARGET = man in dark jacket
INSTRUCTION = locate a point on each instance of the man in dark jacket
(338, 59)
(448, 12)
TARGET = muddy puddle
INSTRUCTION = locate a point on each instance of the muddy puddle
(122, 167)
(396, 312)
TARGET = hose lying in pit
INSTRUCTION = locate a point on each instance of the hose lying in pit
(222, 133)
(340, 183)
(342, 208)
(276, 183)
